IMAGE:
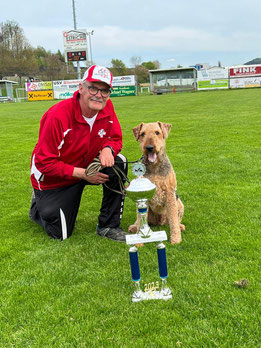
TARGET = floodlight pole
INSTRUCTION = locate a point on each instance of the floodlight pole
(90, 44)
(75, 27)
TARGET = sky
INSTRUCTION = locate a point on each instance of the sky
(174, 32)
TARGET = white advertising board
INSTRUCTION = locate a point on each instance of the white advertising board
(212, 74)
(64, 89)
(38, 86)
(245, 82)
(68, 84)
(128, 80)
(75, 40)
(213, 78)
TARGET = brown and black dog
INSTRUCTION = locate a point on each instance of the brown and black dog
(165, 207)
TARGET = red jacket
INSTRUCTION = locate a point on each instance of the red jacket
(65, 142)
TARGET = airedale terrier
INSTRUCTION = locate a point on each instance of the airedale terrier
(165, 207)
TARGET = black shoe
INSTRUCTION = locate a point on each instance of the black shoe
(115, 233)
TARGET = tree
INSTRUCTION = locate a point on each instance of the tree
(135, 61)
(142, 73)
(16, 55)
(118, 67)
(12, 38)
(61, 56)
(151, 65)
(54, 67)
(25, 64)
(41, 56)
(141, 70)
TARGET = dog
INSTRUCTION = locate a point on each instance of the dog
(165, 207)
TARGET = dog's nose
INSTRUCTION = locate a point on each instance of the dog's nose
(150, 148)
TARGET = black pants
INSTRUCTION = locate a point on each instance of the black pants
(56, 210)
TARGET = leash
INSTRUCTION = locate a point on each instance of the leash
(96, 166)
(139, 160)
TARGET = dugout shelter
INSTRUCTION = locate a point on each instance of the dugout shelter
(173, 80)
(6, 90)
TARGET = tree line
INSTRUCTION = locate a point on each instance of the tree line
(18, 58)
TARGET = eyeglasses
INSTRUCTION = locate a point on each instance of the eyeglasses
(94, 90)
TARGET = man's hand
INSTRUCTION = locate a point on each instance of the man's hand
(106, 157)
(98, 178)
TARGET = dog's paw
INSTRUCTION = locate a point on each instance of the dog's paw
(182, 227)
(133, 229)
(175, 240)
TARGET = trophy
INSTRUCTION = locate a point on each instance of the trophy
(140, 190)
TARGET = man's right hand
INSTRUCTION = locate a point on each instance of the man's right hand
(98, 178)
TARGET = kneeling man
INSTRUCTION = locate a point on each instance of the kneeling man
(72, 133)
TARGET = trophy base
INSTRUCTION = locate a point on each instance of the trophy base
(158, 236)
(151, 295)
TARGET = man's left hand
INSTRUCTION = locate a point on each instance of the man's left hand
(106, 157)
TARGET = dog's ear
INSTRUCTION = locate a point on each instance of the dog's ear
(165, 127)
(136, 131)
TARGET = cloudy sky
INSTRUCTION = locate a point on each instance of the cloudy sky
(173, 32)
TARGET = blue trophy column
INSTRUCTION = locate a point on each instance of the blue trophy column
(134, 263)
(162, 261)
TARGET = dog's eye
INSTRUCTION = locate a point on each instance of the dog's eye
(157, 133)
(142, 134)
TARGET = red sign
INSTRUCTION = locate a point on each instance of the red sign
(246, 70)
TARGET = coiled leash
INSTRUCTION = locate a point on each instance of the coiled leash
(96, 166)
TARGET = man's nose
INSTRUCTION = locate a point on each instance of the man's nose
(99, 93)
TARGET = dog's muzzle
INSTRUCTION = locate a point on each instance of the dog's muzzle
(150, 148)
(152, 156)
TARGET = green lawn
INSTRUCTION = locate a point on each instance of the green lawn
(77, 293)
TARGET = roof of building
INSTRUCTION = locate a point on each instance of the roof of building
(2, 81)
(172, 69)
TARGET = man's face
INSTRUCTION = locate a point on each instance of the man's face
(93, 102)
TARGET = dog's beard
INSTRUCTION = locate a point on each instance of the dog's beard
(152, 157)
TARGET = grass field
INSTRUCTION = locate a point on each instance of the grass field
(77, 293)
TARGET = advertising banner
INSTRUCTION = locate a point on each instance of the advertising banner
(212, 74)
(119, 91)
(66, 84)
(213, 78)
(246, 70)
(38, 86)
(62, 94)
(64, 89)
(245, 82)
(75, 40)
(40, 95)
(213, 84)
(128, 80)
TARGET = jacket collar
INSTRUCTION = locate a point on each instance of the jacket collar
(78, 113)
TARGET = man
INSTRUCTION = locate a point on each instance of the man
(72, 133)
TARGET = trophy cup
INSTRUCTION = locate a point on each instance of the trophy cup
(140, 190)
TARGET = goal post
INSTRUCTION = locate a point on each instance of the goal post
(21, 95)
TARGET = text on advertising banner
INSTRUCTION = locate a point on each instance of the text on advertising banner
(40, 95)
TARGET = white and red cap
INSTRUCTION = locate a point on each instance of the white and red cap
(97, 73)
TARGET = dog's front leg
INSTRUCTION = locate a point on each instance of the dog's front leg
(136, 226)
(172, 213)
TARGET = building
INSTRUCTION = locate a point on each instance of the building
(173, 80)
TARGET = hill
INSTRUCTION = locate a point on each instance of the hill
(254, 61)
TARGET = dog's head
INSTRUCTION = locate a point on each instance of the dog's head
(152, 137)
